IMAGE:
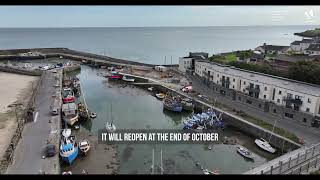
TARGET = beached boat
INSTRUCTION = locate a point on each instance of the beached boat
(83, 114)
(68, 149)
(68, 96)
(245, 152)
(160, 95)
(205, 120)
(115, 76)
(84, 146)
(172, 103)
(128, 79)
(263, 144)
(150, 88)
(70, 113)
(93, 115)
(187, 104)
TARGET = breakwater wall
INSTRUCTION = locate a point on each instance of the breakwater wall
(20, 71)
(26, 116)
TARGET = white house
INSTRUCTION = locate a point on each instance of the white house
(272, 49)
(283, 92)
(185, 63)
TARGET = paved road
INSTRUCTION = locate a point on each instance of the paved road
(28, 153)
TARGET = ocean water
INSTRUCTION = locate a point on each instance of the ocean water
(156, 45)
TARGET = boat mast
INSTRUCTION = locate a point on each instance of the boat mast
(152, 166)
(161, 168)
(272, 130)
(111, 113)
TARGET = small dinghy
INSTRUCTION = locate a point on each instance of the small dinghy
(150, 88)
(93, 115)
(76, 127)
(110, 127)
(245, 152)
(160, 95)
(263, 144)
(66, 133)
(84, 146)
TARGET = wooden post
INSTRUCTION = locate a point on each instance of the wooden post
(308, 166)
(289, 162)
(271, 169)
(305, 155)
(300, 169)
(315, 165)
(280, 167)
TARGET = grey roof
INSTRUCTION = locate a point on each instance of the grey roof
(313, 47)
(302, 87)
(274, 47)
(296, 42)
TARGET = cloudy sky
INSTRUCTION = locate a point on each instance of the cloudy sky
(154, 16)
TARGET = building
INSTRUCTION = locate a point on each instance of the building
(300, 46)
(272, 49)
(284, 98)
(313, 50)
(188, 62)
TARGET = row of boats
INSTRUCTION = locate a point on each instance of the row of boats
(71, 114)
(205, 120)
(115, 75)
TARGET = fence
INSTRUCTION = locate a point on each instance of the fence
(21, 120)
(302, 161)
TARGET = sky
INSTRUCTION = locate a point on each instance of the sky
(156, 16)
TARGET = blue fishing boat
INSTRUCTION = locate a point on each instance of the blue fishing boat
(172, 104)
(69, 149)
(204, 120)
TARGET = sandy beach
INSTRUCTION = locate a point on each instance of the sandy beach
(14, 88)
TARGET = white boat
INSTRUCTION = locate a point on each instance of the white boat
(150, 88)
(76, 127)
(70, 113)
(263, 144)
(66, 133)
(84, 146)
(93, 115)
(128, 79)
(110, 127)
(245, 152)
(160, 95)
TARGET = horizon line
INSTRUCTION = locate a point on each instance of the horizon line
(156, 26)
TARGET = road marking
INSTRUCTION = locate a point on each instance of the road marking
(35, 117)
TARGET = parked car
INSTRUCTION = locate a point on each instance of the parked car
(50, 150)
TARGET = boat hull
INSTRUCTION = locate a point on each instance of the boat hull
(71, 157)
(173, 108)
(69, 99)
(259, 143)
(72, 121)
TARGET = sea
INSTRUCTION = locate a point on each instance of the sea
(155, 45)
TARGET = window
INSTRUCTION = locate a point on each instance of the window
(218, 75)
(309, 100)
(265, 88)
(259, 105)
(278, 100)
(264, 96)
(245, 91)
(280, 92)
(244, 82)
(308, 110)
(184, 62)
(234, 80)
(239, 98)
(304, 120)
(205, 69)
(232, 87)
(274, 111)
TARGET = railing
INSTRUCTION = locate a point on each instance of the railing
(298, 163)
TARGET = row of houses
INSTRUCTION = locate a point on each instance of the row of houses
(279, 96)
(310, 47)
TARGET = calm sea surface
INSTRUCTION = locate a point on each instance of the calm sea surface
(150, 45)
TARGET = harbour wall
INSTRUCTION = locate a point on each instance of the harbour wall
(26, 115)
(20, 71)
(281, 143)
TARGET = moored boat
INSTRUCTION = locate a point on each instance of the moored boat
(84, 146)
(128, 79)
(187, 104)
(66, 133)
(68, 95)
(160, 95)
(245, 152)
(115, 76)
(110, 127)
(263, 144)
(172, 104)
(68, 149)
(70, 113)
